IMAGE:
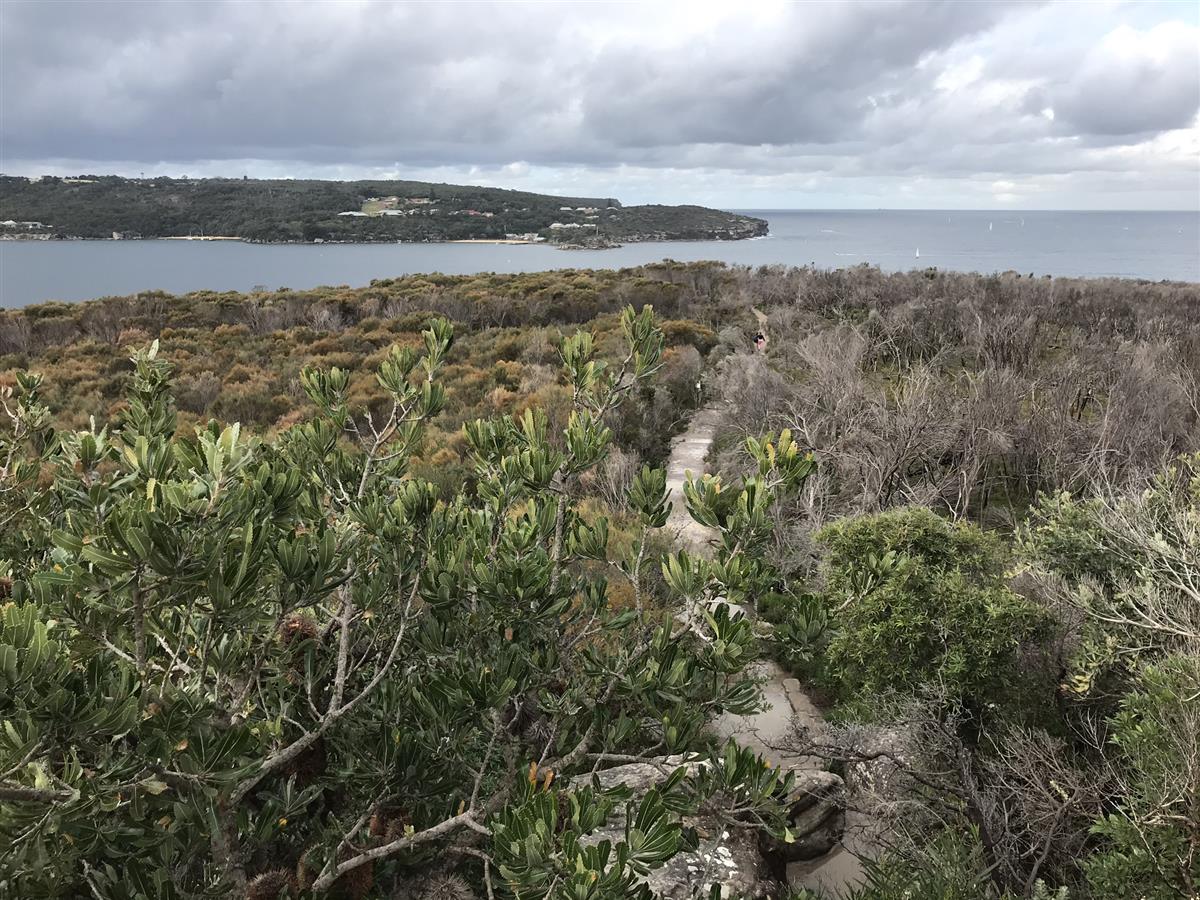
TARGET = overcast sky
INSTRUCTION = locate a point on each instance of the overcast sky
(1073, 105)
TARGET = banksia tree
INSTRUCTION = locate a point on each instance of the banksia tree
(224, 656)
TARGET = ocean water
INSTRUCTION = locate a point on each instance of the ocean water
(1150, 245)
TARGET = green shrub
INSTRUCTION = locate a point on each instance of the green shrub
(1152, 838)
(916, 600)
(233, 667)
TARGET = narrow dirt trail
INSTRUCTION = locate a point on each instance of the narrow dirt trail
(761, 317)
(786, 707)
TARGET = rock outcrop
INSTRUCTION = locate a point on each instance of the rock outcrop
(745, 863)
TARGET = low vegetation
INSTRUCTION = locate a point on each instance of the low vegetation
(374, 640)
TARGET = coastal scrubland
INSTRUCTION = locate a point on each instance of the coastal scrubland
(351, 591)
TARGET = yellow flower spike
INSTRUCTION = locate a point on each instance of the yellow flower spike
(533, 773)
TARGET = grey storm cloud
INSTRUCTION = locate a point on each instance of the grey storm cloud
(1125, 87)
(438, 82)
(884, 88)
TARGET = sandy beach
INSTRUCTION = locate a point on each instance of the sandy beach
(487, 241)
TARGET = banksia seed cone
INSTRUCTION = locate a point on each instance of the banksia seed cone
(297, 627)
(447, 887)
(271, 885)
(396, 826)
(309, 764)
(353, 885)
(388, 821)
(439, 886)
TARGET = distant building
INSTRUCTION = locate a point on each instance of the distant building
(571, 225)
(352, 213)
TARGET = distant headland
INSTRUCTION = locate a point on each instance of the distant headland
(109, 207)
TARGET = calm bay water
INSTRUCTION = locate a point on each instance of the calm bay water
(1153, 245)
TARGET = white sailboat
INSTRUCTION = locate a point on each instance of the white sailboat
(918, 256)
(989, 226)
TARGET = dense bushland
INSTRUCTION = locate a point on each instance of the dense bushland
(970, 394)
(262, 668)
(1011, 699)
(987, 568)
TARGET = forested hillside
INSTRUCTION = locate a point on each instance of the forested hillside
(303, 210)
(370, 592)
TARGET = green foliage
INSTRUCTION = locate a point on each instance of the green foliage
(1151, 839)
(917, 600)
(563, 843)
(951, 867)
(542, 849)
(1129, 565)
(744, 519)
(306, 210)
(227, 656)
(801, 632)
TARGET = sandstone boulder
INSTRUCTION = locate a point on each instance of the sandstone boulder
(745, 863)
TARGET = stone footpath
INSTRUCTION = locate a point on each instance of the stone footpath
(787, 709)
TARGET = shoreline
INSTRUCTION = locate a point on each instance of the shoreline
(173, 237)
(472, 241)
(21, 239)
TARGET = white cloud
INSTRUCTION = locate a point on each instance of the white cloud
(774, 104)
